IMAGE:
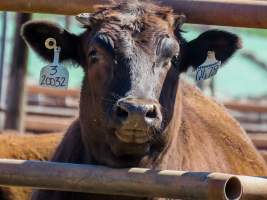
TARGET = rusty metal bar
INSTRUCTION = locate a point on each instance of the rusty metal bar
(34, 90)
(129, 182)
(66, 7)
(241, 13)
(136, 182)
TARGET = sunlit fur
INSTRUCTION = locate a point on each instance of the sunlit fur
(134, 50)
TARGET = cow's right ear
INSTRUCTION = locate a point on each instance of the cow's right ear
(35, 34)
(224, 44)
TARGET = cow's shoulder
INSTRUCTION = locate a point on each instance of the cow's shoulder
(212, 139)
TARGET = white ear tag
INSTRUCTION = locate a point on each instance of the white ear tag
(54, 75)
(209, 68)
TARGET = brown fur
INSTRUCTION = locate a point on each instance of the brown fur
(209, 140)
(25, 147)
(132, 54)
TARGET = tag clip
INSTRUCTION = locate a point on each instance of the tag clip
(54, 75)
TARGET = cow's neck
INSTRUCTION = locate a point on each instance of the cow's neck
(167, 159)
(171, 158)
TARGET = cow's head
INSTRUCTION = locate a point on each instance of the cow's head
(132, 54)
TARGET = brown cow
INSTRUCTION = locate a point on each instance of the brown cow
(132, 112)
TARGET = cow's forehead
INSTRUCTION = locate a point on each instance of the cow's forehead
(146, 34)
(153, 42)
(134, 24)
(135, 17)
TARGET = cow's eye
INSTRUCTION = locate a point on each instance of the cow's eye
(167, 63)
(93, 56)
(168, 47)
(176, 60)
(105, 42)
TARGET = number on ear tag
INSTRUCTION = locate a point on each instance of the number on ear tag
(209, 68)
(54, 75)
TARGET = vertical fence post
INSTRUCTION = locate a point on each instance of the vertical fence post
(67, 22)
(3, 47)
(2, 61)
(15, 101)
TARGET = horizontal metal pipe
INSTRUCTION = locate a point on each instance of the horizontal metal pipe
(65, 7)
(128, 182)
(254, 188)
(241, 13)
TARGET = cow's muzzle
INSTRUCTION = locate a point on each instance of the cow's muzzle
(137, 117)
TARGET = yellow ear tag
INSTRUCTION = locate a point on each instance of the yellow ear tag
(54, 75)
(209, 68)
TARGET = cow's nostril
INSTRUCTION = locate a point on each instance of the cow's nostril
(152, 113)
(121, 113)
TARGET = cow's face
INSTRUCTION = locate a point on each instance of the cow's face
(129, 73)
(132, 55)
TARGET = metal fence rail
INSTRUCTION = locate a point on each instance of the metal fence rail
(241, 13)
(131, 182)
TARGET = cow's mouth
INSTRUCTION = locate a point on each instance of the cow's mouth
(127, 147)
(133, 136)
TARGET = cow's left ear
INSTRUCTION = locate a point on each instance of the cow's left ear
(35, 34)
(222, 43)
